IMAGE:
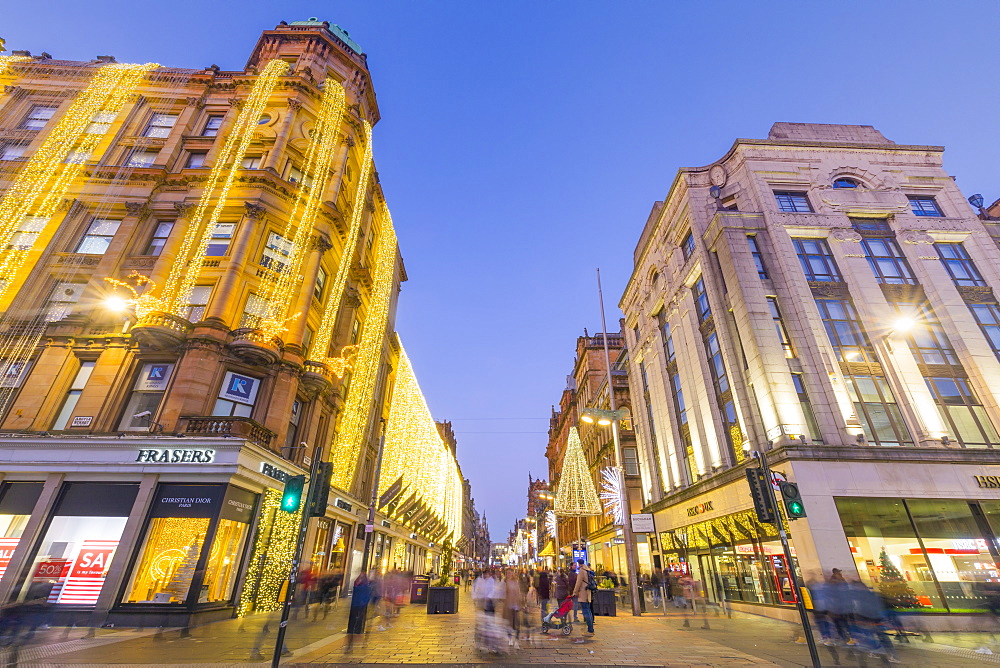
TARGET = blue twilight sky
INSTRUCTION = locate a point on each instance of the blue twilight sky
(522, 145)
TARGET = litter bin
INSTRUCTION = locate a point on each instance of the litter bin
(418, 590)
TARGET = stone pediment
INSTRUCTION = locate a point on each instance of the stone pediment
(865, 203)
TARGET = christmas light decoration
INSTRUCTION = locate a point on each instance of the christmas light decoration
(7, 61)
(278, 293)
(612, 493)
(331, 308)
(576, 496)
(415, 452)
(551, 523)
(273, 551)
(40, 185)
(367, 364)
(188, 263)
(142, 303)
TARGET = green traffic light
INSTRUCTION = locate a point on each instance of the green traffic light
(795, 509)
(291, 499)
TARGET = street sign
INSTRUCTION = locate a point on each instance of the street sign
(776, 480)
(391, 493)
(642, 523)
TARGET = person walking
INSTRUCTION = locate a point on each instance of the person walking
(544, 590)
(571, 577)
(586, 583)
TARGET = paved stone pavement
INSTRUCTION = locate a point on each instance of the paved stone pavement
(418, 638)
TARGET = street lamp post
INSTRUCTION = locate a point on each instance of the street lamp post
(630, 555)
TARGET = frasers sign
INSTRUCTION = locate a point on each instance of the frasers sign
(179, 456)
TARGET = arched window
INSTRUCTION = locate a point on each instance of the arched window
(844, 182)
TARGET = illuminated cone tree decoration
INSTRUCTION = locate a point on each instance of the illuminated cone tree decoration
(576, 496)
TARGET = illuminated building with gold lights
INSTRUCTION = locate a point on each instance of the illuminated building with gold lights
(198, 282)
(825, 296)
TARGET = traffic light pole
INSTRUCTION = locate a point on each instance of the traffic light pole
(279, 642)
(790, 565)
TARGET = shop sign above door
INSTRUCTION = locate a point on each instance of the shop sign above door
(178, 456)
(694, 511)
(991, 481)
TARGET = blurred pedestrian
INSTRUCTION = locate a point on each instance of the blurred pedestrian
(361, 598)
(586, 584)
(544, 591)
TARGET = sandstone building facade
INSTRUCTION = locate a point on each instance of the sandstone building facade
(198, 287)
(828, 297)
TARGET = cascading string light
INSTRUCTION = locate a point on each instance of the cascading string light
(415, 451)
(612, 492)
(40, 185)
(369, 356)
(7, 61)
(576, 496)
(278, 292)
(187, 265)
(272, 552)
(320, 350)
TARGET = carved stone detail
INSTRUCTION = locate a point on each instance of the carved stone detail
(349, 140)
(844, 234)
(351, 297)
(320, 242)
(293, 104)
(254, 211)
(135, 208)
(183, 208)
(916, 237)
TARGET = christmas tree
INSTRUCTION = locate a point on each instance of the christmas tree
(893, 586)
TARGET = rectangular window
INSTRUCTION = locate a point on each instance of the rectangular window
(251, 162)
(701, 300)
(687, 245)
(98, 237)
(807, 411)
(307, 337)
(675, 385)
(13, 151)
(237, 395)
(887, 261)
(923, 206)
(73, 396)
(988, 317)
(792, 201)
(195, 160)
(159, 239)
(37, 117)
(160, 125)
(668, 342)
(962, 412)
(631, 461)
(147, 391)
(255, 311)
(62, 300)
(786, 342)
(212, 126)
(100, 122)
(27, 232)
(927, 339)
(816, 260)
(141, 157)
(197, 302)
(222, 234)
(716, 364)
(320, 284)
(758, 257)
(877, 410)
(77, 157)
(845, 331)
(292, 172)
(292, 437)
(276, 252)
(958, 264)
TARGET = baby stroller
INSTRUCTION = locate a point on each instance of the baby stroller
(558, 619)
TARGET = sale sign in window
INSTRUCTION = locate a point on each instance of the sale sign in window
(86, 577)
(7, 546)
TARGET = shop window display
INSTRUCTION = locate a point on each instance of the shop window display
(926, 554)
(172, 562)
(17, 499)
(80, 543)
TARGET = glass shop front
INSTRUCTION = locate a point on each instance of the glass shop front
(928, 555)
(17, 500)
(731, 558)
(193, 546)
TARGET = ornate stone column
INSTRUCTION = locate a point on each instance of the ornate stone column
(318, 245)
(227, 289)
(273, 161)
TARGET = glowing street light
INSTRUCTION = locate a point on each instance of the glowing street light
(116, 303)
